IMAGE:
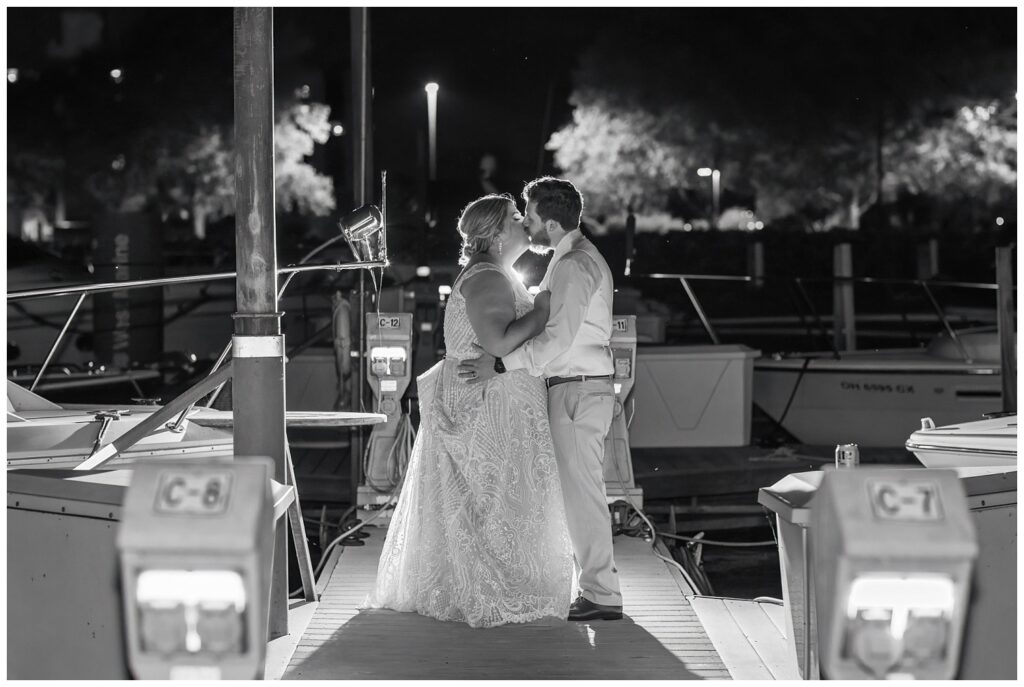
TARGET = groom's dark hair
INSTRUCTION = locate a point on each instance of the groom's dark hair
(556, 199)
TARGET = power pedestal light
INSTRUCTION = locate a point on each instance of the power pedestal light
(196, 543)
(389, 371)
(893, 552)
(618, 461)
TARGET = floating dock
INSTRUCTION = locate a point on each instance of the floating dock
(660, 637)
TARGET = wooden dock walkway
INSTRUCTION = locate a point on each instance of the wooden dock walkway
(660, 637)
(750, 637)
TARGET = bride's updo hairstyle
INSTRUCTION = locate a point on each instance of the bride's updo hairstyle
(481, 221)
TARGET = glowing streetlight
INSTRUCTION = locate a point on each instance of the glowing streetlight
(12, 75)
(716, 177)
(431, 89)
(716, 189)
(117, 75)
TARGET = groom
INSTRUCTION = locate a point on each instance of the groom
(574, 357)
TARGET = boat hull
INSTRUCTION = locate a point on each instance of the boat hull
(873, 400)
(983, 443)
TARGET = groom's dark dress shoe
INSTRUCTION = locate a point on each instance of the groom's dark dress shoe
(585, 609)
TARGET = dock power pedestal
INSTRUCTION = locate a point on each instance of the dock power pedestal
(388, 372)
(893, 553)
(618, 461)
(196, 543)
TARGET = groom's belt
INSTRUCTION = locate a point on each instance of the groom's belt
(552, 381)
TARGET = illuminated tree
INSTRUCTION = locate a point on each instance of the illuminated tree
(802, 110)
(619, 158)
(971, 152)
(201, 179)
(173, 171)
(299, 187)
(824, 185)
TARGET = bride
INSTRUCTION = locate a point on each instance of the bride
(479, 534)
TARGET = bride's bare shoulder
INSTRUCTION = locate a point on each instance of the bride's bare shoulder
(485, 280)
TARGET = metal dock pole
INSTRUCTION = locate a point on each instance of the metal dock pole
(258, 345)
(362, 166)
(1007, 328)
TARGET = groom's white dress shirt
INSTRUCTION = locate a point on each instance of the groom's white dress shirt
(576, 339)
(576, 342)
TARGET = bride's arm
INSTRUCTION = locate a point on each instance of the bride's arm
(490, 305)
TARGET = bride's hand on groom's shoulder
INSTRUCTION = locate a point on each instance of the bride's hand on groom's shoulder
(474, 370)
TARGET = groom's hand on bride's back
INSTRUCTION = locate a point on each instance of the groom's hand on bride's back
(474, 370)
(542, 301)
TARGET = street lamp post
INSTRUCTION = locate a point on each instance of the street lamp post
(431, 214)
(716, 185)
(431, 89)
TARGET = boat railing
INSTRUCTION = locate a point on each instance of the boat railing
(800, 283)
(84, 290)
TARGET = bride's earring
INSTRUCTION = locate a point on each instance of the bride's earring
(499, 246)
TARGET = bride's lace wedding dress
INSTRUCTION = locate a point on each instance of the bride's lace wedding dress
(479, 533)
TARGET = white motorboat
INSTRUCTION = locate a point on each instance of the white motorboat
(877, 398)
(991, 442)
(41, 434)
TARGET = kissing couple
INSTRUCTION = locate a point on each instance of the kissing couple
(502, 514)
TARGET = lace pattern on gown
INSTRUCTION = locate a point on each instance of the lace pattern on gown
(479, 533)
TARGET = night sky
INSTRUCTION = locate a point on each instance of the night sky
(495, 73)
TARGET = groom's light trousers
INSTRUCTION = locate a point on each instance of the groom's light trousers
(580, 414)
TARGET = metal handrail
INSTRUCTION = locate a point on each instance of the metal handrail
(224, 353)
(700, 311)
(83, 290)
(925, 284)
(945, 323)
(706, 277)
(56, 343)
(188, 279)
(864, 280)
(814, 313)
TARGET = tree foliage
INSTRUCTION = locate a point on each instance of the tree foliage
(620, 157)
(175, 170)
(159, 137)
(799, 109)
(971, 152)
(30, 176)
(299, 187)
